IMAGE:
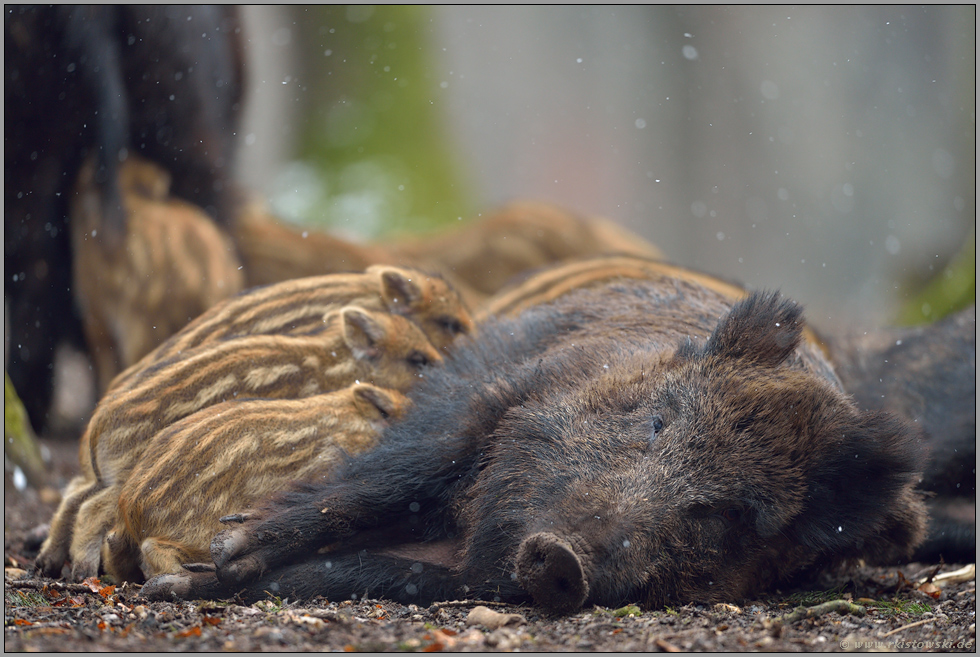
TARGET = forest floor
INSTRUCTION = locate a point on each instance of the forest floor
(899, 613)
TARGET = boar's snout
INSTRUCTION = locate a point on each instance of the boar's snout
(549, 569)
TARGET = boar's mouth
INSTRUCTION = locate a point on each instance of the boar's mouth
(552, 572)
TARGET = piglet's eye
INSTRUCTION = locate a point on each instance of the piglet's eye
(658, 425)
(418, 360)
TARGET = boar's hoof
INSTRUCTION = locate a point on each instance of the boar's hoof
(191, 584)
(549, 569)
(167, 587)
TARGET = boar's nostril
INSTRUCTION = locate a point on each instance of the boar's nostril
(549, 569)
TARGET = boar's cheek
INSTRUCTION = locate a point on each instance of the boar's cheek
(860, 501)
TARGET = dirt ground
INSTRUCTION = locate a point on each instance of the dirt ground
(52, 615)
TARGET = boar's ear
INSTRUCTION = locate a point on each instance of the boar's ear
(861, 501)
(401, 294)
(362, 333)
(764, 328)
(379, 402)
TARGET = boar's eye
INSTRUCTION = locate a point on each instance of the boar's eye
(728, 513)
(657, 425)
(732, 514)
(418, 360)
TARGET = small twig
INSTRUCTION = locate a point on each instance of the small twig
(964, 574)
(468, 603)
(840, 606)
(55, 586)
(666, 646)
(928, 578)
(910, 625)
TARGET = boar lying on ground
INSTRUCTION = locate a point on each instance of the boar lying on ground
(650, 441)
(174, 265)
(354, 345)
(236, 453)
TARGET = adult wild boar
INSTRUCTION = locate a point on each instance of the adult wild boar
(647, 440)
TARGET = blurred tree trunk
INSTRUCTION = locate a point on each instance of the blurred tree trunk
(20, 445)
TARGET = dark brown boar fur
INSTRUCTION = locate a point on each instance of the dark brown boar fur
(355, 345)
(641, 441)
(104, 81)
(236, 453)
(927, 375)
(175, 264)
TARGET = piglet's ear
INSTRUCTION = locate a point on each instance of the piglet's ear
(764, 329)
(401, 294)
(379, 402)
(362, 333)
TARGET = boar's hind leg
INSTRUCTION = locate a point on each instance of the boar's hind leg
(335, 577)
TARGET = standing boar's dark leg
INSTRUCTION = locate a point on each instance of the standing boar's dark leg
(109, 80)
(63, 96)
(90, 39)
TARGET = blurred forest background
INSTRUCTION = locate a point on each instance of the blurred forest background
(827, 151)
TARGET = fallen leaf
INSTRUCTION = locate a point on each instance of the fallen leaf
(15, 573)
(21, 621)
(194, 631)
(491, 619)
(211, 620)
(931, 589)
(92, 583)
(106, 591)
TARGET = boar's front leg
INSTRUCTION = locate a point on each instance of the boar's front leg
(335, 577)
(396, 491)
